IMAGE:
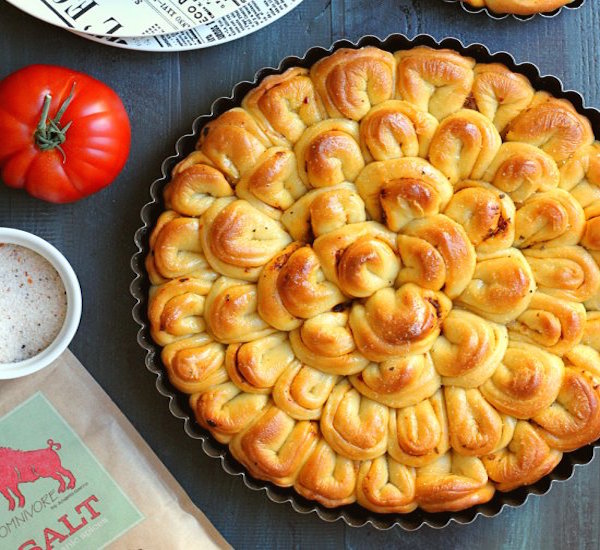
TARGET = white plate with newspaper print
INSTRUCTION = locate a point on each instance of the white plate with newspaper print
(251, 17)
(119, 18)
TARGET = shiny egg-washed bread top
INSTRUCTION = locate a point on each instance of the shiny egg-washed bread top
(519, 7)
(378, 280)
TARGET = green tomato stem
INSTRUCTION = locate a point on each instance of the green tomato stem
(49, 134)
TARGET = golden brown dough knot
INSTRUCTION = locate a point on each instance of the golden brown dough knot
(401, 190)
(584, 357)
(274, 446)
(553, 125)
(385, 486)
(231, 312)
(552, 323)
(325, 342)
(434, 81)
(195, 364)
(327, 477)
(238, 240)
(395, 129)
(568, 272)
(255, 366)
(436, 254)
(591, 235)
(273, 184)
(233, 142)
(464, 145)
(225, 410)
(292, 287)
(574, 419)
(580, 175)
(419, 433)
(328, 153)
(353, 425)
(398, 322)
(469, 349)
(399, 382)
(526, 382)
(359, 258)
(284, 105)
(194, 185)
(502, 286)
(323, 210)
(521, 170)
(476, 428)
(591, 333)
(526, 459)
(520, 7)
(301, 391)
(486, 214)
(553, 218)
(351, 81)
(176, 309)
(175, 251)
(593, 302)
(499, 93)
(453, 482)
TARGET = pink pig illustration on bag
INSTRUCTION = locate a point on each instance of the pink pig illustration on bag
(18, 467)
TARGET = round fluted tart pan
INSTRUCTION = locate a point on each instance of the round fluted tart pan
(499, 16)
(353, 515)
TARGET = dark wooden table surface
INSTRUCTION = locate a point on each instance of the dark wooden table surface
(163, 94)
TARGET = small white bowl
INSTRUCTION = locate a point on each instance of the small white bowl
(73, 316)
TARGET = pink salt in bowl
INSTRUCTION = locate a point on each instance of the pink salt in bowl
(72, 316)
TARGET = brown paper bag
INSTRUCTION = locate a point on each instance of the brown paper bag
(74, 473)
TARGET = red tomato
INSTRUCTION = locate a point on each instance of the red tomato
(64, 134)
